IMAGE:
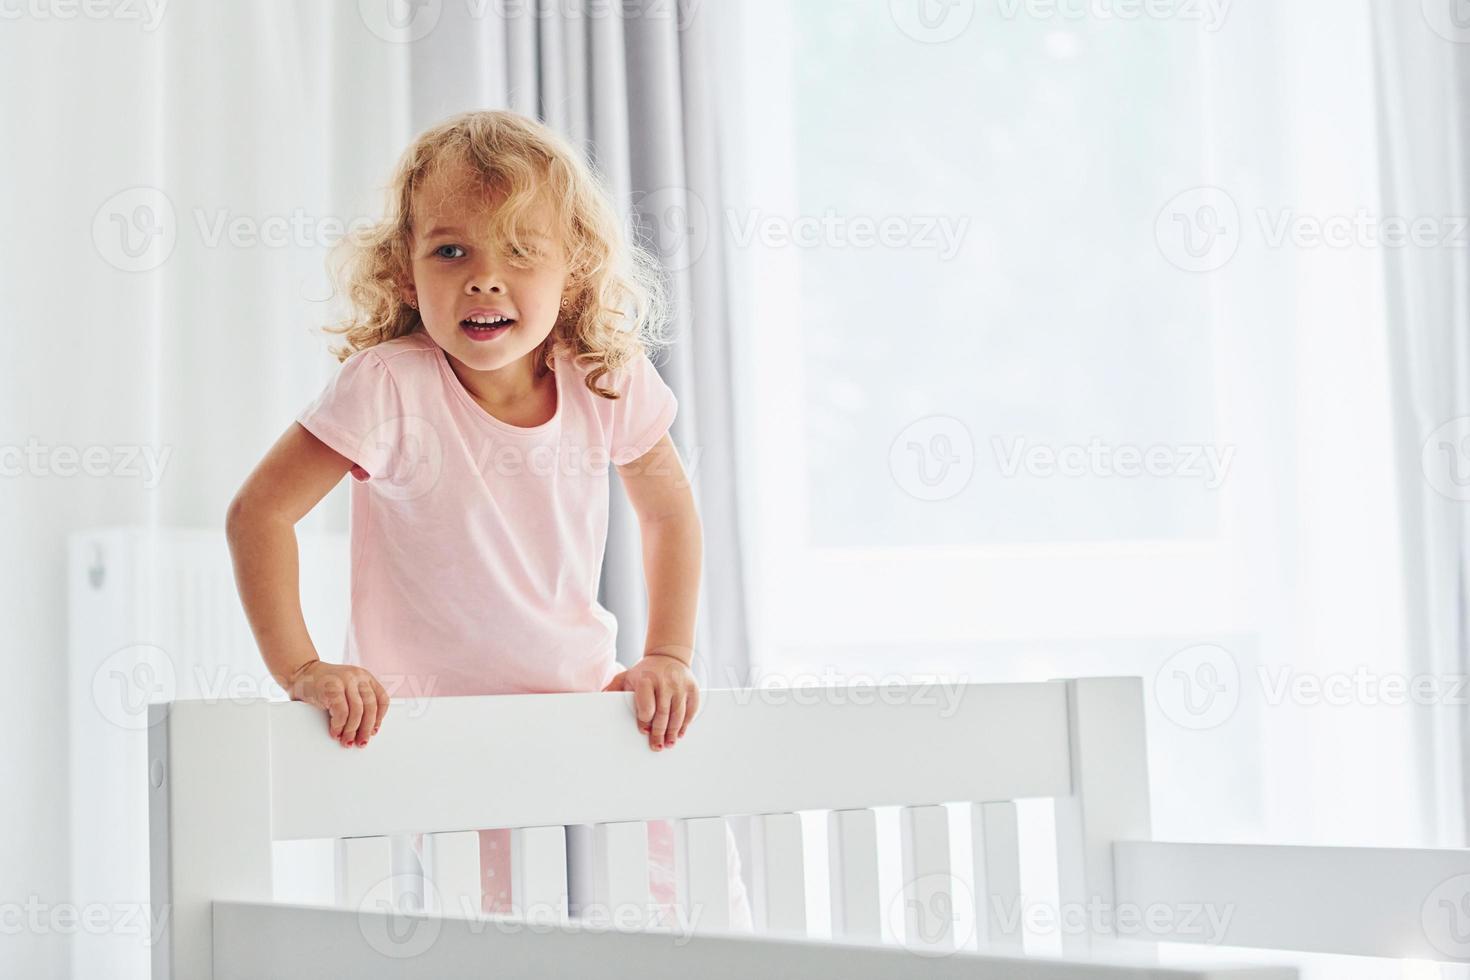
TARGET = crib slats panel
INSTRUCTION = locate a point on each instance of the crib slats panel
(365, 873)
(856, 752)
(997, 856)
(619, 873)
(453, 860)
(928, 882)
(538, 873)
(703, 869)
(852, 837)
(779, 902)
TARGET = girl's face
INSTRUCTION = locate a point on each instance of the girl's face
(459, 273)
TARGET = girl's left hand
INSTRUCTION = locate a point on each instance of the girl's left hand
(665, 696)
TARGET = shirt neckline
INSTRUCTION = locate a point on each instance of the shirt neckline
(452, 380)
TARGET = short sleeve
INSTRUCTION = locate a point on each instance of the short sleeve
(353, 412)
(643, 413)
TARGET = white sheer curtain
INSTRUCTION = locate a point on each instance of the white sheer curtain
(171, 187)
(1079, 150)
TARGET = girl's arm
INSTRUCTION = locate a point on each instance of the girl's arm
(666, 696)
(297, 472)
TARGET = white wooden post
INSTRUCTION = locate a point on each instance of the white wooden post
(209, 823)
(620, 872)
(928, 880)
(852, 844)
(779, 882)
(452, 885)
(538, 873)
(997, 859)
(703, 870)
(1109, 800)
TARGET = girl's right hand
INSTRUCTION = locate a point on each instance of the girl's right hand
(353, 699)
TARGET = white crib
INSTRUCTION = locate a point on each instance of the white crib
(228, 779)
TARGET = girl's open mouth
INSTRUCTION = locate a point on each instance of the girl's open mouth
(484, 331)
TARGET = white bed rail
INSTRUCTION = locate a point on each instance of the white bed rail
(230, 778)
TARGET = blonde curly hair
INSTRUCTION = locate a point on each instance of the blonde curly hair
(617, 309)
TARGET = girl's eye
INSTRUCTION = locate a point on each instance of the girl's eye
(439, 251)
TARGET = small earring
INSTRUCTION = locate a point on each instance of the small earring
(413, 303)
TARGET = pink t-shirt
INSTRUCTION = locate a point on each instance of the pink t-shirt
(477, 545)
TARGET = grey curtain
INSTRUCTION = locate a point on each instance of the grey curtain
(633, 89)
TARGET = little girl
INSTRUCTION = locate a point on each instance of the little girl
(495, 363)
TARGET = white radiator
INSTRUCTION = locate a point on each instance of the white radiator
(154, 616)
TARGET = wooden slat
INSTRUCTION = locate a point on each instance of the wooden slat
(852, 855)
(703, 871)
(305, 943)
(582, 760)
(1109, 799)
(538, 873)
(452, 883)
(1402, 903)
(928, 880)
(365, 873)
(997, 858)
(778, 876)
(620, 874)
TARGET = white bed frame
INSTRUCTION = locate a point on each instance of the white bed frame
(227, 779)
